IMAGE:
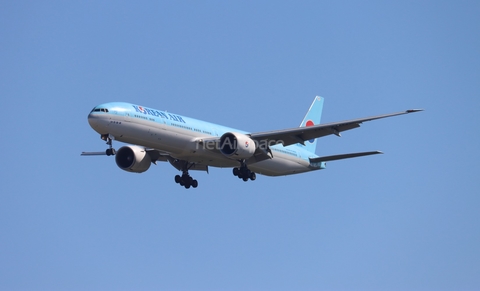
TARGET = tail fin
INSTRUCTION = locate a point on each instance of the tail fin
(313, 116)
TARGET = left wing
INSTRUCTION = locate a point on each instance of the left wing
(155, 155)
(301, 134)
(160, 156)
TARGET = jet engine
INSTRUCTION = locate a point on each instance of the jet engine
(133, 159)
(237, 146)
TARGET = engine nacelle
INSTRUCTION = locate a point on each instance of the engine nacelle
(237, 146)
(133, 159)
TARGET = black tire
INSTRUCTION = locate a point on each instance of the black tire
(253, 176)
(178, 179)
(194, 183)
(245, 179)
(235, 171)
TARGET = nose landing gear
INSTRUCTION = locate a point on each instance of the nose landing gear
(110, 151)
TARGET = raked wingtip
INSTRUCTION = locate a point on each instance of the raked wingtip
(414, 110)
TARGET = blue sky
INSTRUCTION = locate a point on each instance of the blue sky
(405, 220)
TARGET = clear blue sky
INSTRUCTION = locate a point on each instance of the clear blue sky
(405, 220)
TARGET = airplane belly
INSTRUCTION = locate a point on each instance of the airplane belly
(206, 157)
(280, 167)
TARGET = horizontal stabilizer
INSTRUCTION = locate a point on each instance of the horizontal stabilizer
(344, 156)
(94, 153)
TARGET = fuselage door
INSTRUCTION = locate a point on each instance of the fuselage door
(127, 117)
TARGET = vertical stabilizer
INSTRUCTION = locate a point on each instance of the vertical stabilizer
(313, 116)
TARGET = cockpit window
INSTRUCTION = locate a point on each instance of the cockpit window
(99, 110)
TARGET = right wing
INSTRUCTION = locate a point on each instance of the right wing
(343, 156)
(301, 134)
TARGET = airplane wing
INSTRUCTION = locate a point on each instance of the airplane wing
(160, 156)
(301, 134)
(343, 156)
(155, 155)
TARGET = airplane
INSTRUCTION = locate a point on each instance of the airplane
(191, 144)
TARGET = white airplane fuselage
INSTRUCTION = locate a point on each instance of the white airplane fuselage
(181, 138)
(191, 144)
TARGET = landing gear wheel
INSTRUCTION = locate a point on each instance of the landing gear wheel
(244, 173)
(186, 181)
(110, 152)
(178, 179)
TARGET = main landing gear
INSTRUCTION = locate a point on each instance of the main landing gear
(186, 180)
(244, 173)
(110, 151)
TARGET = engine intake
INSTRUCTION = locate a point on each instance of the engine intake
(133, 159)
(237, 146)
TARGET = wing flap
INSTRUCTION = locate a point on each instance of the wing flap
(157, 155)
(181, 165)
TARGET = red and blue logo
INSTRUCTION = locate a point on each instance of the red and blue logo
(307, 124)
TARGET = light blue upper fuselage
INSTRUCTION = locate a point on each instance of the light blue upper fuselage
(131, 113)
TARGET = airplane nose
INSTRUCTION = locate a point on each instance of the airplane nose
(92, 120)
(96, 123)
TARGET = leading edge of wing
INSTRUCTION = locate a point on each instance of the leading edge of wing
(302, 134)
